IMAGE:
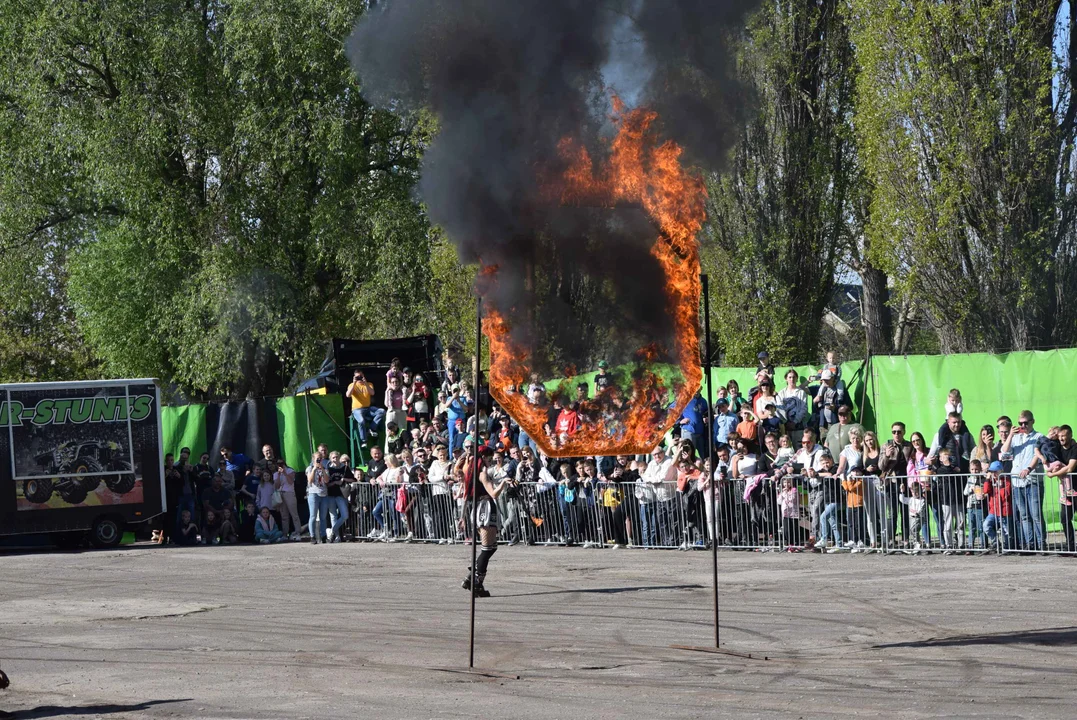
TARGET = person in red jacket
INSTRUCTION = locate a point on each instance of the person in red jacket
(999, 493)
(568, 422)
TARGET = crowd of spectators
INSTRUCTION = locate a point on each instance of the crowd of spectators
(790, 470)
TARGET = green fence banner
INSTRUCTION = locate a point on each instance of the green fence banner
(852, 374)
(913, 389)
(327, 425)
(184, 426)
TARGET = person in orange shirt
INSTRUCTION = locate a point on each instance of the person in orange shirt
(854, 499)
(748, 429)
(367, 417)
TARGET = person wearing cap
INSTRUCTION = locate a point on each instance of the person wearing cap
(725, 422)
(603, 379)
(999, 492)
(829, 398)
(765, 366)
(837, 436)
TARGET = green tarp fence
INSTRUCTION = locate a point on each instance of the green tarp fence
(185, 426)
(852, 374)
(327, 425)
(913, 389)
(910, 388)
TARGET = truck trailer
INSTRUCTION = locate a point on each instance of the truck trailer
(80, 460)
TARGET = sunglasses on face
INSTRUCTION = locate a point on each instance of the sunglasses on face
(1023, 423)
(897, 432)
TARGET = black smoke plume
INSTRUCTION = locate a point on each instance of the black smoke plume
(508, 80)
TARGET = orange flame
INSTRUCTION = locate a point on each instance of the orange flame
(642, 171)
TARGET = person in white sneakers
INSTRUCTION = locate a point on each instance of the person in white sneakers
(660, 477)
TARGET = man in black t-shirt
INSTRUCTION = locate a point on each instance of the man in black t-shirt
(338, 506)
(602, 379)
(376, 466)
(217, 498)
(1063, 470)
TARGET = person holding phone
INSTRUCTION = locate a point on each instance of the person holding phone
(367, 417)
(318, 497)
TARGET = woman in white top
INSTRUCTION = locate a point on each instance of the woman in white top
(386, 519)
(852, 457)
(743, 465)
(440, 521)
(284, 482)
(317, 498)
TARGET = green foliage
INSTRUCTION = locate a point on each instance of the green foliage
(224, 199)
(39, 339)
(970, 155)
(778, 214)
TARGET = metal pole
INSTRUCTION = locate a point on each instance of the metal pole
(475, 478)
(710, 446)
(306, 411)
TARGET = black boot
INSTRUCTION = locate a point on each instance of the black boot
(467, 580)
(479, 590)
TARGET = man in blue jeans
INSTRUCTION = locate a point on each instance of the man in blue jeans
(693, 422)
(367, 417)
(1023, 444)
(659, 480)
(457, 412)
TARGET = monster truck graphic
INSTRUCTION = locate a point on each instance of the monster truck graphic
(72, 459)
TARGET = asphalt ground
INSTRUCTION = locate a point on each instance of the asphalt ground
(380, 631)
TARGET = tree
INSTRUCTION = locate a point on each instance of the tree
(202, 190)
(970, 153)
(778, 216)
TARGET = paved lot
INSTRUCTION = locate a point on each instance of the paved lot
(380, 631)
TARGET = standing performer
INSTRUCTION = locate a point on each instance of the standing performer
(485, 498)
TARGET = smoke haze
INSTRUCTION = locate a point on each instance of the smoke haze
(508, 81)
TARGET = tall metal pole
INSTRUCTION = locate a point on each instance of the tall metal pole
(475, 477)
(710, 447)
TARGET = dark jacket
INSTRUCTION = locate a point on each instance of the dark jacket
(960, 445)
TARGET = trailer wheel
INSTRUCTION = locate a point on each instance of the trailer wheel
(74, 493)
(37, 490)
(4, 682)
(120, 484)
(107, 532)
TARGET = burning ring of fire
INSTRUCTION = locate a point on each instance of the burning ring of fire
(630, 420)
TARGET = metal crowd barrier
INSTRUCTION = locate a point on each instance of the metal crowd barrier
(862, 514)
